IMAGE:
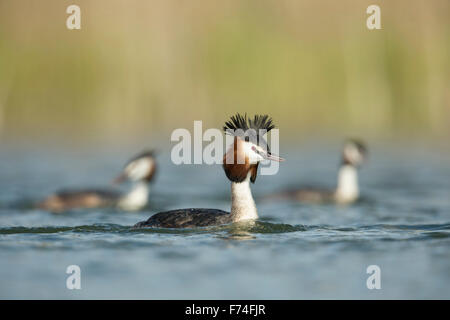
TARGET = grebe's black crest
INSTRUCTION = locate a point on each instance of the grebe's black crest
(143, 154)
(259, 122)
(360, 145)
(248, 129)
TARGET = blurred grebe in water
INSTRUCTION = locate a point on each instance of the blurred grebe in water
(140, 170)
(354, 154)
(240, 164)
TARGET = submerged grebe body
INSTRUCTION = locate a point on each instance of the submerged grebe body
(139, 170)
(347, 191)
(240, 164)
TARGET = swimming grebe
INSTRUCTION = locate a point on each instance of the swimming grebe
(240, 164)
(354, 154)
(140, 170)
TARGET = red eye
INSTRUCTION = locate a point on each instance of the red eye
(256, 150)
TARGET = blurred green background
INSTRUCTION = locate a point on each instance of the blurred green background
(139, 69)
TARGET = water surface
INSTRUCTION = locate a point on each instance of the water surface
(295, 251)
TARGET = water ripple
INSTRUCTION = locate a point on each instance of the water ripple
(258, 227)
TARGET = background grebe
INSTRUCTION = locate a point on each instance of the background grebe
(240, 164)
(354, 154)
(140, 170)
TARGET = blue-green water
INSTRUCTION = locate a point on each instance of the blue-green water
(295, 251)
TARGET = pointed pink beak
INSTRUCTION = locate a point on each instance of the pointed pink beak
(268, 155)
(118, 180)
(273, 157)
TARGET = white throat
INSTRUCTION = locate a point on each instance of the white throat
(136, 198)
(347, 188)
(242, 204)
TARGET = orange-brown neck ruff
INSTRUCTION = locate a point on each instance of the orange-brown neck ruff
(236, 163)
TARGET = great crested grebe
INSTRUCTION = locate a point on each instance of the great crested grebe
(240, 164)
(354, 154)
(139, 170)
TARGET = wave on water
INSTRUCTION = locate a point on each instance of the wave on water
(251, 227)
(95, 228)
